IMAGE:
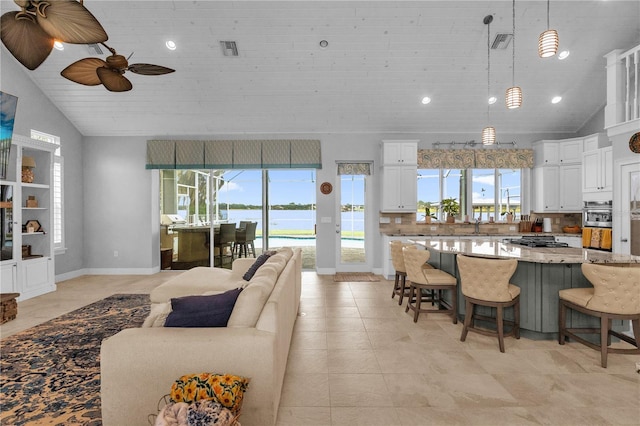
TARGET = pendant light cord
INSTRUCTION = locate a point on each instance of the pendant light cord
(548, 26)
(488, 72)
(513, 46)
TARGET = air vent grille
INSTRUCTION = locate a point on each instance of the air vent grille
(501, 41)
(94, 49)
(229, 48)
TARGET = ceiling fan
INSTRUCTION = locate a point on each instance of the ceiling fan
(29, 34)
(95, 71)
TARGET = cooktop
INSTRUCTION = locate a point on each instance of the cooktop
(536, 241)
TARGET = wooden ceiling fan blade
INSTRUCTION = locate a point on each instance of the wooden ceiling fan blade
(70, 22)
(24, 38)
(84, 71)
(149, 69)
(113, 80)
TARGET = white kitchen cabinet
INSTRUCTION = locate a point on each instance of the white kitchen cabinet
(400, 152)
(557, 188)
(596, 141)
(399, 189)
(29, 270)
(597, 174)
(387, 265)
(552, 153)
(399, 176)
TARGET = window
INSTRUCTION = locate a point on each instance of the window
(493, 192)
(58, 200)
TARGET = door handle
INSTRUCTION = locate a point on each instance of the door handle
(624, 240)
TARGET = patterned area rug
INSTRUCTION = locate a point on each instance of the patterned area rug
(355, 277)
(50, 373)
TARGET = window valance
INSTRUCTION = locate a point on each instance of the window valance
(475, 159)
(361, 168)
(233, 154)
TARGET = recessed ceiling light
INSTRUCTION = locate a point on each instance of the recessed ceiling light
(58, 45)
(324, 44)
(492, 100)
(171, 45)
(563, 55)
(426, 100)
(556, 99)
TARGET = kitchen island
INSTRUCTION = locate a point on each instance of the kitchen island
(540, 274)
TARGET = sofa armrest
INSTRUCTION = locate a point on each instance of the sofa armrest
(138, 367)
(242, 264)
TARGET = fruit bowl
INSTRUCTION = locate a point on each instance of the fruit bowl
(572, 229)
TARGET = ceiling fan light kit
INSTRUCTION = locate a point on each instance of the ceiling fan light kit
(29, 34)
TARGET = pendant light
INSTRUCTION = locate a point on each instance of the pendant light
(514, 93)
(489, 132)
(548, 41)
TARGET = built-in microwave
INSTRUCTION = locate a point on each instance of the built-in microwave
(597, 214)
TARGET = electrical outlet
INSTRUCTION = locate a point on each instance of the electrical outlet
(115, 253)
(512, 228)
(433, 228)
(398, 220)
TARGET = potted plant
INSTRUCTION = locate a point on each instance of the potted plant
(451, 208)
(427, 213)
(509, 215)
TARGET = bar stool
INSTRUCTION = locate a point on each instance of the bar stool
(615, 295)
(485, 282)
(423, 276)
(397, 259)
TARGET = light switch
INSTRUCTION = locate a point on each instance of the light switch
(385, 219)
(325, 219)
(433, 228)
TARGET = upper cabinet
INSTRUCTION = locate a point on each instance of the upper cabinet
(399, 176)
(553, 153)
(597, 174)
(397, 153)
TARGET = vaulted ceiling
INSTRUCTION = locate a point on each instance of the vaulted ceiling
(382, 58)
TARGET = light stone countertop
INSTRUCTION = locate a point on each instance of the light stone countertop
(485, 247)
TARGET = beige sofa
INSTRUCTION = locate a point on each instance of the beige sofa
(138, 365)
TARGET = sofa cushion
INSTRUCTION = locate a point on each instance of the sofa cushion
(202, 311)
(258, 263)
(196, 281)
(252, 299)
(226, 389)
(157, 315)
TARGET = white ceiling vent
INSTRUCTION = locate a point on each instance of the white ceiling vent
(501, 41)
(229, 48)
(94, 49)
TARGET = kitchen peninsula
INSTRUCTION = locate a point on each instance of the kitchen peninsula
(540, 274)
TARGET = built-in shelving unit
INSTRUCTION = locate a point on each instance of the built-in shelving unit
(27, 265)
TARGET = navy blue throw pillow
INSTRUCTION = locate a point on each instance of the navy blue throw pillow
(202, 311)
(258, 263)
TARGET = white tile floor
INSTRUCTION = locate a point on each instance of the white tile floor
(356, 358)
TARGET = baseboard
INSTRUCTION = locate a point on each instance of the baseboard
(71, 275)
(325, 271)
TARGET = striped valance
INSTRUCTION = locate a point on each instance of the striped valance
(475, 159)
(233, 154)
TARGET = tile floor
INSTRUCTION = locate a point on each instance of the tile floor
(356, 358)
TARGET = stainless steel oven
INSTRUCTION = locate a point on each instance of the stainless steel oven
(597, 214)
(597, 219)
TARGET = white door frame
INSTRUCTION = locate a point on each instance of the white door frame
(621, 213)
(368, 214)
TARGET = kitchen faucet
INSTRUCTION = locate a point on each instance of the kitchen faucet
(477, 230)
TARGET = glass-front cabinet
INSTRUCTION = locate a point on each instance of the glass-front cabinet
(26, 219)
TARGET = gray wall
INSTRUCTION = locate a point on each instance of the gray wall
(35, 111)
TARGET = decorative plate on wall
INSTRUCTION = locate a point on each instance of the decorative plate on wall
(634, 143)
(326, 188)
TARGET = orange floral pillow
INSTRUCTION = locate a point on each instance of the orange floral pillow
(226, 389)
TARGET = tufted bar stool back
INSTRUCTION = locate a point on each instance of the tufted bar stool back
(423, 276)
(615, 295)
(397, 259)
(485, 282)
